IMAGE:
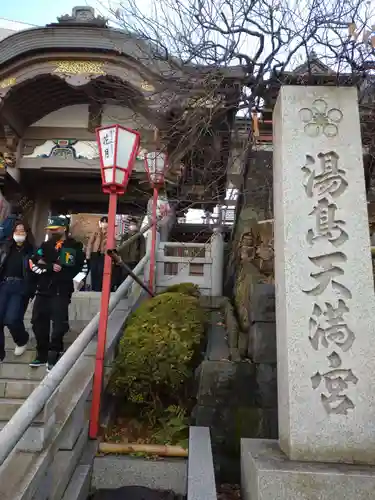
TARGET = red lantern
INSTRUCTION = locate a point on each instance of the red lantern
(118, 147)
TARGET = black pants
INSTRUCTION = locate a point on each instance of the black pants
(12, 311)
(96, 268)
(49, 309)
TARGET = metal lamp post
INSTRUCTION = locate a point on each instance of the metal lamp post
(118, 148)
(155, 165)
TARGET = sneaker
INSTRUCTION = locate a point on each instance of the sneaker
(19, 350)
(53, 357)
(37, 362)
(49, 367)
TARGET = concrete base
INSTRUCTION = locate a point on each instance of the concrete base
(267, 474)
(111, 472)
(201, 474)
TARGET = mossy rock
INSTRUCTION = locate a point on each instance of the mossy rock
(185, 288)
(155, 353)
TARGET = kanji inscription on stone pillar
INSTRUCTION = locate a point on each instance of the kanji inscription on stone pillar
(325, 306)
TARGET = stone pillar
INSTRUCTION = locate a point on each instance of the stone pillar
(40, 219)
(324, 306)
(217, 255)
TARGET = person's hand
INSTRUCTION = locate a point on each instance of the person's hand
(57, 268)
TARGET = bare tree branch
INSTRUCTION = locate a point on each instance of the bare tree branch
(198, 45)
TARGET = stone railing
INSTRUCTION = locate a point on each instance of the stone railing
(198, 263)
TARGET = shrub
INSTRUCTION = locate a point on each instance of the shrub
(185, 288)
(156, 350)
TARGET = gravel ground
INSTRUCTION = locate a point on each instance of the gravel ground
(134, 493)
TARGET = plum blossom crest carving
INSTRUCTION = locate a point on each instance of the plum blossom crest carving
(320, 119)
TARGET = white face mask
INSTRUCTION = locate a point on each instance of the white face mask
(19, 238)
(103, 225)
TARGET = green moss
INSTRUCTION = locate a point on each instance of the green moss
(156, 350)
(185, 288)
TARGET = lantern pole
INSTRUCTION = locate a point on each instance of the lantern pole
(103, 320)
(151, 281)
(114, 189)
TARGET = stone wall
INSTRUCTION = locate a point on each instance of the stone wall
(237, 385)
(258, 186)
(251, 264)
(251, 252)
(237, 394)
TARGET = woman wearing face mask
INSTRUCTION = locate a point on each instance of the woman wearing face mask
(95, 253)
(15, 287)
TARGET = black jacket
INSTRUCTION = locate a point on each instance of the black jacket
(28, 250)
(69, 255)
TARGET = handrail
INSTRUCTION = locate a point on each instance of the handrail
(178, 244)
(24, 416)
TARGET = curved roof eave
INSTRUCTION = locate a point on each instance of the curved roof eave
(70, 38)
(93, 39)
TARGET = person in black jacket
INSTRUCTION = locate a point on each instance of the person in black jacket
(55, 264)
(15, 287)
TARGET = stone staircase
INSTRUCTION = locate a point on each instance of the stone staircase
(17, 382)
(18, 379)
(53, 460)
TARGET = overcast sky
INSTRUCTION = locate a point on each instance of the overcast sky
(38, 12)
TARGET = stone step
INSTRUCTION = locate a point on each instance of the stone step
(26, 357)
(9, 406)
(9, 343)
(68, 337)
(17, 389)
(21, 371)
(22, 474)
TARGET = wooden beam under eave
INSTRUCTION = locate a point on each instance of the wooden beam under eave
(84, 189)
(50, 133)
(62, 206)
